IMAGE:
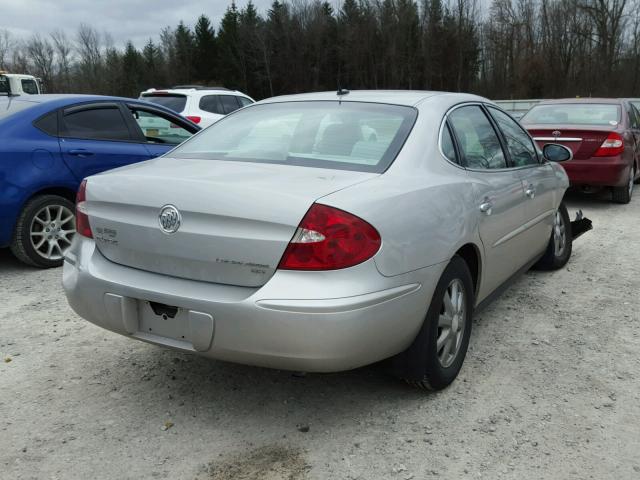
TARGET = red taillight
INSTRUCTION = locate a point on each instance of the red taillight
(194, 119)
(329, 239)
(82, 219)
(613, 145)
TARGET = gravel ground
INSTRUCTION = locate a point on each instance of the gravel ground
(550, 389)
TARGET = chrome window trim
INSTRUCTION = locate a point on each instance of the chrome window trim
(557, 139)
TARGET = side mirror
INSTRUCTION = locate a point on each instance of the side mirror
(557, 153)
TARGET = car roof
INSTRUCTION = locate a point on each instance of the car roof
(395, 97)
(186, 90)
(62, 99)
(42, 104)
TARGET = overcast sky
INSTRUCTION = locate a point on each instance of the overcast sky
(137, 20)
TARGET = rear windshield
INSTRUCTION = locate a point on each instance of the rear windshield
(325, 134)
(10, 106)
(573, 113)
(173, 101)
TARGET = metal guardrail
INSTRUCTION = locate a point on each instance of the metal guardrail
(517, 108)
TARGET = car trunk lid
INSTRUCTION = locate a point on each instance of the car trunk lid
(583, 142)
(237, 218)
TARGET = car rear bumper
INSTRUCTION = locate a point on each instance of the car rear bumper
(308, 321)
(602, 171)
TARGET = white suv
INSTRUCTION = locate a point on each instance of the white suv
(201, 105)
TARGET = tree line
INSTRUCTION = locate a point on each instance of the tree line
(514, 49)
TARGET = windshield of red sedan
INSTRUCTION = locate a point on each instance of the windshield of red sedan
(573, 114)
(325, 134)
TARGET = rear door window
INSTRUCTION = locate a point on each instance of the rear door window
(172, 101)
(97, 123)
(519, 144)
(478, 141)
(211, 104)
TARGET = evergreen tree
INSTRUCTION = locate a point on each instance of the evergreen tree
(184, 44)
(131, 73)
(205, 51)
(230, 63)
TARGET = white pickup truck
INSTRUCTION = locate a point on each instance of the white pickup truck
(18, 84)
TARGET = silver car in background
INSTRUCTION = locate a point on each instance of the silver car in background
(322, 232)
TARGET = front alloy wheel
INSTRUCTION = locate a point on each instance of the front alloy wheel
(560, 244)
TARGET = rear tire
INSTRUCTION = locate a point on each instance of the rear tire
(35, 225)
(435, 357)
(623, 194)
(560, 244)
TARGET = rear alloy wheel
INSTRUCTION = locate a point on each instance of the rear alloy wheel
(435, 358)
(44, 231)
(623, 194)
(560, 244)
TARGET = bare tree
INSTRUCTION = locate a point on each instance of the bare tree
(41, 53)
(90, 65)
(63, 49)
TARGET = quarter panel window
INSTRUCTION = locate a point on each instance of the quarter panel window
(48, 124)
(519, 144)
(106, 123)
(244, 101)
(478, 141)
(447, 145)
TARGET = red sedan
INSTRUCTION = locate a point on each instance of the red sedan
(602, 133)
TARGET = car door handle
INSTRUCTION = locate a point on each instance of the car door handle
(80, 152)
(486, 206)
(530, 191)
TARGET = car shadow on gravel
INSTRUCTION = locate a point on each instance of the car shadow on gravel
(197, 389)
(10, 264)
(599, 200)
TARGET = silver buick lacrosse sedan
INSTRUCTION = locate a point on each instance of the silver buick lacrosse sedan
(322, 232)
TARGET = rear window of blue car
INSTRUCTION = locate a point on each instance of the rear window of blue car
(344, 135)
(9, 106)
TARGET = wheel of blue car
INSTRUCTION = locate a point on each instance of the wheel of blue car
(44, 231)
(435, 358)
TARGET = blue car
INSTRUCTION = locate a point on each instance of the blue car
(49, 143)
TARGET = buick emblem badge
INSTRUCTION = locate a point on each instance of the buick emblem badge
(556, 133)
(169, 219)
